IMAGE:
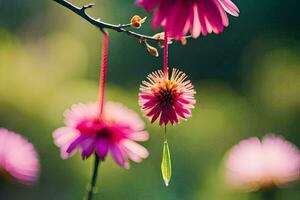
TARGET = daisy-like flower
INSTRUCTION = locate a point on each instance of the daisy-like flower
(18, 158)
(116, 133)
(195, 16)
(167, 99)
(253, 164)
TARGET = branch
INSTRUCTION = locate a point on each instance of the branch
(100, 24)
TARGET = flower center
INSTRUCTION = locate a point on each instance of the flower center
(166, 96)
(102, 130)
(104, 133)
(93, 129)
(167, 93)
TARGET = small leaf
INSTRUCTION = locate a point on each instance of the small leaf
(166, 167)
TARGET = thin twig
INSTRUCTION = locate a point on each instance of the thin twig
(100, 24)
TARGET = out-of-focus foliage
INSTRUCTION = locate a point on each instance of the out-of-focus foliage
(247, 81)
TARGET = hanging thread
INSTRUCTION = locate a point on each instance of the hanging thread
(166, 54)
(103, 72)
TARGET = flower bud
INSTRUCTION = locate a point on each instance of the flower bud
(183, 41)
(152, 50)
(136, 21)
(160, 37)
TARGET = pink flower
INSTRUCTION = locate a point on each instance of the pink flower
(116, 133)
(18, 157)
(167, 99)
(254, 164)
(195, 16)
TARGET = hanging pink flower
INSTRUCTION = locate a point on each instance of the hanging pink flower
(116, 133)
(167, 99)
(254, 164)
(18, 158)
(195, 16)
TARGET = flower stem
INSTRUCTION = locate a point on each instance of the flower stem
(165, 134)
(166, 54)
(103, 72)
(91, 188)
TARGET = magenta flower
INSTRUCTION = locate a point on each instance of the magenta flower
(195, 16)
(167, 99)
(18, 158)
(254, 164)
(116, 133)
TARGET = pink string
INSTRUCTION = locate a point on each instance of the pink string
(166, 55)
(103, 72)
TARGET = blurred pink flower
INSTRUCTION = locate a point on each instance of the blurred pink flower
(254, 164)
(18, 157)
(115, 133)
(169, 99)
(195, 16)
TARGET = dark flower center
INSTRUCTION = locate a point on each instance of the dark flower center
(166, 96)
(94, 128)
(167, 93)
(104, 133)
(102, 130)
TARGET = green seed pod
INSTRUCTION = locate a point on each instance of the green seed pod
(166, 167)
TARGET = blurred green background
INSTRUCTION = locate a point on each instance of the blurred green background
(247, 81)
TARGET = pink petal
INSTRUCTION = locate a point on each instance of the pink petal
(136, 148)
(161, 13)
(195, 27)
(147, 4)
(230, 7)
(87, 147)
(74, 144)
(63, 137)
(139, 136)
(117, 155)
(102, 148)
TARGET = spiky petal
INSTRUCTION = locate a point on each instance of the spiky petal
(167, 99)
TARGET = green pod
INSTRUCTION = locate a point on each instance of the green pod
(166, 167)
